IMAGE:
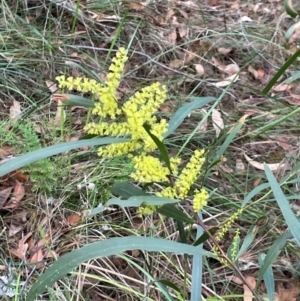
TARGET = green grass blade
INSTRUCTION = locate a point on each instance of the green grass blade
(294, 28)
(233, 132)
(53, 150)
(272, 254)
(170, 284)
(268, 278)
(292, 78)
(104, 248)
(247, 241)
(205, 236)
(254, 192)
(275, 78)
(184, 111)
(288, 5)
(289, 216)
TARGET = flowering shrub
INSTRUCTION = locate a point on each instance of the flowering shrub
(129, 120)
(138, 133)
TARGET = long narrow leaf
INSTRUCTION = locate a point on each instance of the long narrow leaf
(76, 100)
(49, 151)
(184, 111)
(169, 210)
(126, 190)
(272, 254)
(137, 201)
(289, 216)
(162, 148)
(247, 240)
(197, 269)
(275, 78)
(254, 192)
(104, 248)
(233, 132)
(268, 278)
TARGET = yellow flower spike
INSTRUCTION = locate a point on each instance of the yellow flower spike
(61, 81)
(174, 162)
(116, 68)
(235, 245)
(118, 149)
(200, 199)
(190, 174)
(149, 169)
(105, 128)
(228, 224)
(168, 192)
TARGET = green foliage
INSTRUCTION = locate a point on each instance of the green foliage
(105, 248)
(43, 174)
(136, 119)
(294, 28)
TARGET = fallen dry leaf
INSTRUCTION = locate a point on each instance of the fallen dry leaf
(14, 229)
(218, 122)
(51, 254)
(287, 291)
(15, 111)
(235, 279)
(226, 82)
(22, 247)
(199, 69)
(258, 74)
(5, 151)
(282, 87)
(36, 254)
(168, 106)
(4, 195)
(272, 166)
(218, 64)
(60, 97)
(20, 176)
(203, 127)
(224, 50)
(60, 116)
(172, 37)
(225, 168)
(294, 100)
(248, 296)
(245, 19)
(17, 195)
(73, 219)
(177, 63)
(232, 69)
(52, 86)
(182, 31)
(135, 5)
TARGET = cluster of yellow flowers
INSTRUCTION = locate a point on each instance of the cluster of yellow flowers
(139, 109)
(151, 170)
(186, 179)
(108, 105)
(132, 115)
